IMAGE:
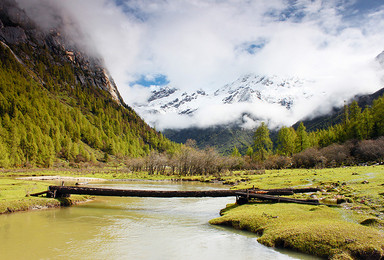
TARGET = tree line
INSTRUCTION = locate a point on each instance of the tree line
(62, 120)
(358, 139)
(189, 160)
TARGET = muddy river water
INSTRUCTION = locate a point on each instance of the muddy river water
(132, 228)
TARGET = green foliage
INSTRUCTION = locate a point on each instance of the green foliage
(262, 142)
(249, 152)
(62, 118)
(235, 152)
(302, 140)
(286, 141)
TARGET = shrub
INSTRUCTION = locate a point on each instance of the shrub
(336, 155)
(309, 158)
(278, 162)
(370, 150)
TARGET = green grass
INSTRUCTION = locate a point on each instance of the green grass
(13, 196)
(333, 232)
(354, 230)
(316, 230)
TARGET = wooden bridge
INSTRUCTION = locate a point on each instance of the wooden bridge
(242, 196)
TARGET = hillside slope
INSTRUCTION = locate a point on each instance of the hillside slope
(336, 115)
(57, 103)
(223, 138)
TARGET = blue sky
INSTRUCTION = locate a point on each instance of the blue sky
(150, 80)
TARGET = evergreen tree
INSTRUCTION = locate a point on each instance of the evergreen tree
(4, 155)
(367, 123)
(378, 117)
(286, 141)
(235, 152)
(353, 129)
(249, 151)
(262, 142)
(302, 140)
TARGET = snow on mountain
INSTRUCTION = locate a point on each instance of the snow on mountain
(251, 89)
(254, 88)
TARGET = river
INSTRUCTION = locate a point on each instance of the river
(132, 228)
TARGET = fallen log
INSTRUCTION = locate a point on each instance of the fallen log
(38, 193)
(287, 191)
(59, 191)
(277, 198)
(305, 190)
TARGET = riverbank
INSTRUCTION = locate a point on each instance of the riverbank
(14, 196)
(353, 230)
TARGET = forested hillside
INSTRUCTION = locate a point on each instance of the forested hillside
(57, 105)
(358, 138)
(336, 115)
(223, 138)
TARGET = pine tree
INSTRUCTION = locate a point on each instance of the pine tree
(367, 123)
(354, 127)
(262, 142)
(249, 151)
(4, 155)
(302, 141)
(286, 141)
(235, 152)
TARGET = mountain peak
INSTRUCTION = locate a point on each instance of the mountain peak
(249, 90)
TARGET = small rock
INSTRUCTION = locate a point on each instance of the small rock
(365, 182)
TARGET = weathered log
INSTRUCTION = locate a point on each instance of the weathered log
(39, 193)
(273, 192)
(305, 190)
(287, 191)
(277, 199)
(60, 190)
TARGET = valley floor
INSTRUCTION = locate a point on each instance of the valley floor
(353, 228)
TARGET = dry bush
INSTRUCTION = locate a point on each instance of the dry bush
(278, 162)
(135, 164)
(370, 150)
(309, 158)
(337, 155)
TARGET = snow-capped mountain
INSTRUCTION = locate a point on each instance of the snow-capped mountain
(249, 89)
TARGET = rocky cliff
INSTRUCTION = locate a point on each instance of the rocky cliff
(29, 41)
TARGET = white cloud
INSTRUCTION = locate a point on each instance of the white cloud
(195, 43)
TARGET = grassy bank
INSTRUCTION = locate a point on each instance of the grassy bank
(354, 230)
(13, 196)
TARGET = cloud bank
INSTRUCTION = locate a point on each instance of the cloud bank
(198, 44)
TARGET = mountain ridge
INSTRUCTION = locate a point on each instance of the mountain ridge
(248, 89)
(60, 106)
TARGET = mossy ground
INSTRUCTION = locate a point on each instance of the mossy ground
(354, 230)
(316, 230)
(14, 196)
